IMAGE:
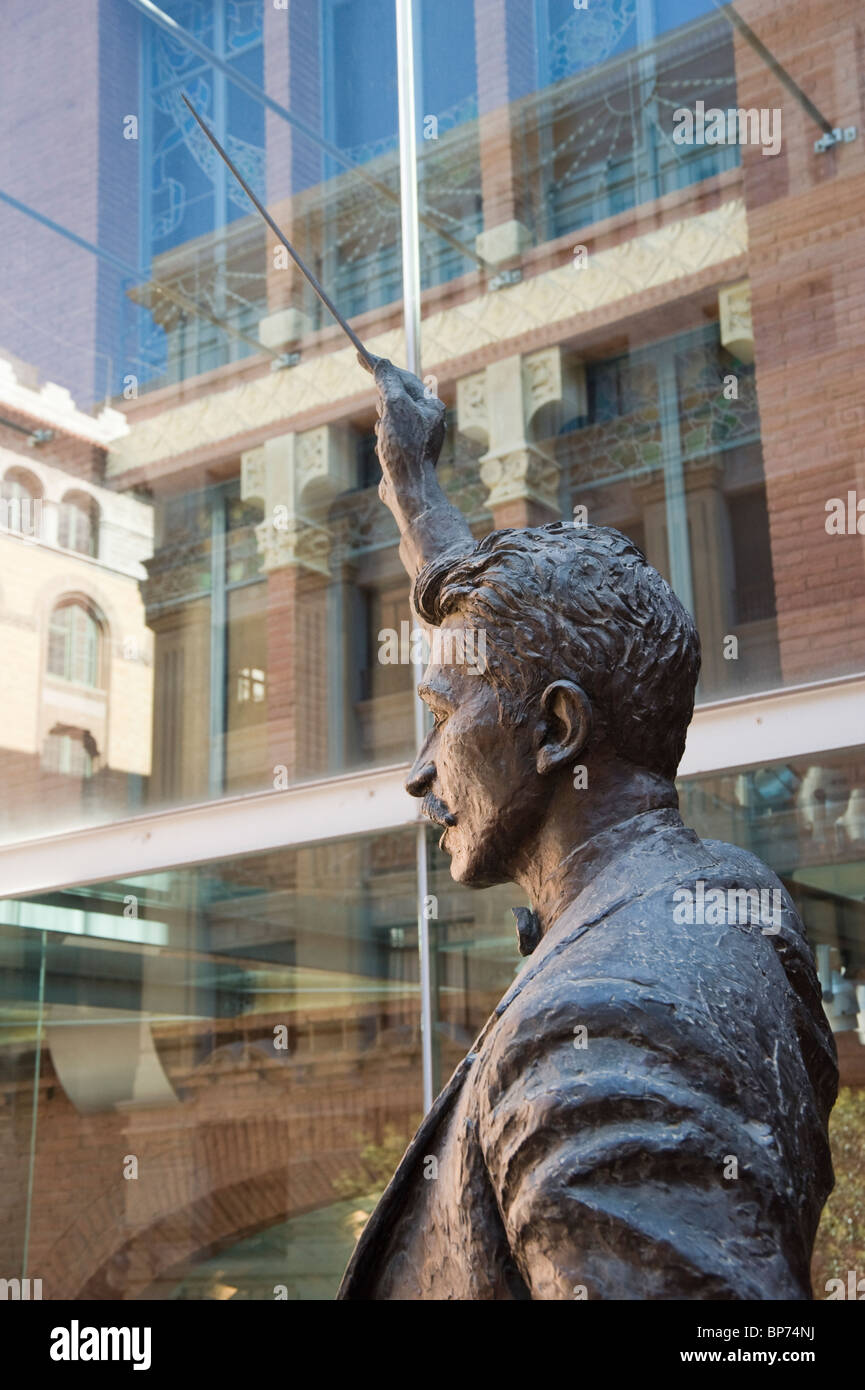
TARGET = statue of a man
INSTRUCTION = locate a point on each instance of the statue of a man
(644, 1115)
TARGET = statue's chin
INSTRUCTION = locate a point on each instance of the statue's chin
(475, 872)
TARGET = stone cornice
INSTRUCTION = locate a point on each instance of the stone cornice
(612, 276)
(53, 405)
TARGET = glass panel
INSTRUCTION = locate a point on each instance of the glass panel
(239, 590)
(604, 315)
(226, 1067)
(640, 259)
(622, 351)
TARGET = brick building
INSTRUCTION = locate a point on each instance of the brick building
(663, 334)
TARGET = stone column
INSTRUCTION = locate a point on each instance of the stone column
(512, 406)
(296, 477)
(181, 668)
(711, 550)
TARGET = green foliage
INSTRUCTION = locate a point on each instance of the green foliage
(377, 1162)
(840, 1244)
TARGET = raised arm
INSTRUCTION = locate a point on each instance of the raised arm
(410, 431)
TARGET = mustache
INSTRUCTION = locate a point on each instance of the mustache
(436, 811)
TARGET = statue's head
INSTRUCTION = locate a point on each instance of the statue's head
(587, 681)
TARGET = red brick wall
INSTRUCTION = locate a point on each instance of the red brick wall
(806, 214)
(77, 457)
(298, 644)
(254, 1142)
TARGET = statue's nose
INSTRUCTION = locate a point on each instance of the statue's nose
(420, 778)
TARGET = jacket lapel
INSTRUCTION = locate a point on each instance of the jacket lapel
(359, 1266)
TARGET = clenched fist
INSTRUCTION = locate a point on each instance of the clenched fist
(410, 432)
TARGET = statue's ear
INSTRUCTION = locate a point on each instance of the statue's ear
(565, 725)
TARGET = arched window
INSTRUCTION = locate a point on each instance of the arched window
(74, 644)
(78, 523)
(21, 503)
(20, 485)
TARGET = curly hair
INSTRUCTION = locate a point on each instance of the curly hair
(577, 603)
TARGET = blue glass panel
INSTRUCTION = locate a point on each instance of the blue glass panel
(581, 39)
(183, 165)
(448, 60)
(169, 57)
(243, 24)
(363, 95)
(669, 14)
(244, 139)
(245, 143)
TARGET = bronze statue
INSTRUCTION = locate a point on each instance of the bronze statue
(644, 1115)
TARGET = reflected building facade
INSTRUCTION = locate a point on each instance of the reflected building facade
(213, 955)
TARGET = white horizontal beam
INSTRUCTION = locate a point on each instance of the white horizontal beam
(801, 722)
(360, 803)
(766, 728)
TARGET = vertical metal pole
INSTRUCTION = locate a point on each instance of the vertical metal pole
(408, 182)
(411, 322)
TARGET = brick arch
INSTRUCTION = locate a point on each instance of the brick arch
(214, 1222)
(27, 475)
(249, 1148)
(250, 1174)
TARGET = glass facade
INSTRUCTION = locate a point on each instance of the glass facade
(640, 264)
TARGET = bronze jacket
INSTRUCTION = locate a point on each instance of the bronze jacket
(680, 1153)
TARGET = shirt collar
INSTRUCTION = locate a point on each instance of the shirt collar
(628, 857)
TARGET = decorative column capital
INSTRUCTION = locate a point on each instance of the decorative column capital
(737, 327)
(522, 475)
(472, 419)
(296, 477)
(291, 542)
(509, 406)
(283, 327)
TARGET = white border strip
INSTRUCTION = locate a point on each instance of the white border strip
(800, 722)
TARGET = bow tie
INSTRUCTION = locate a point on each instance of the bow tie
(528, 929)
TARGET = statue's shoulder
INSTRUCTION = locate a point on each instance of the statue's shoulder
(731, 859)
